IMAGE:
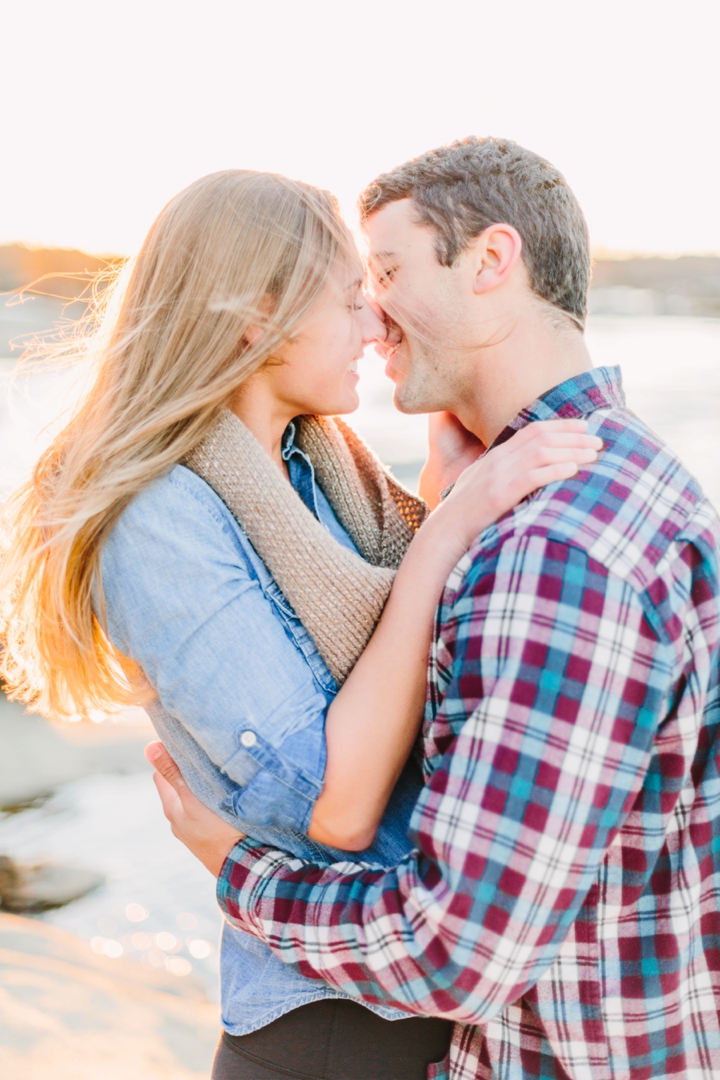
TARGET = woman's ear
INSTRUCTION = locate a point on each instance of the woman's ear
(253, 334)
(497, 251)
(255, 331)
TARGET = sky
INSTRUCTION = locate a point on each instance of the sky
(112, 106)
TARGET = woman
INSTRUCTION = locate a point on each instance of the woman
(203, 539)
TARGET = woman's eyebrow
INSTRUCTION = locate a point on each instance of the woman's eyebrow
(358, 284)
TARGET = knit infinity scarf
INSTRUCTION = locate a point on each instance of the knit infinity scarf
(338, 596)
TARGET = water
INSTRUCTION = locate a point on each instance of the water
(671, 369)
(158, 903)
(671, 374)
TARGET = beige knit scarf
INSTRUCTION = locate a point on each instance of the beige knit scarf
(337, 596)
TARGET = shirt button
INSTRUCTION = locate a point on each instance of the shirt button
(248, 739)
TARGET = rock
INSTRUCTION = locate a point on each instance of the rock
(68, 1014)
(41, 886)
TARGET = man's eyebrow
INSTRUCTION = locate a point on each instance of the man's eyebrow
(382, 255)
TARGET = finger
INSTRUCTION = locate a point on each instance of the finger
(520, 486)
(546, 474)
(157, 755)
(557, 438)
(527, 473)
(566, 438)
(517, 448)
(574, 425)
(549, 455)
(550, 474)
(564, 423)
(171, 804)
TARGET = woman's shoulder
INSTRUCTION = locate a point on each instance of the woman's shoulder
(180, 490)
(178, 507)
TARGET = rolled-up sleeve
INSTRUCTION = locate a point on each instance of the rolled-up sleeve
(184, 601)
(554, 687)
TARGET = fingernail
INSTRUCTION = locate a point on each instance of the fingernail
(153, 751)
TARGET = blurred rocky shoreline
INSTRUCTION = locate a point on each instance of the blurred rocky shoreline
(36, 758)
(71, 1008)
(687, 285)
(42, 286)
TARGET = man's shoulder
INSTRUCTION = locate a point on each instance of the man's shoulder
(630, 512)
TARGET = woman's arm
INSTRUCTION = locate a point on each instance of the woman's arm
(373, 722)
(189, 601)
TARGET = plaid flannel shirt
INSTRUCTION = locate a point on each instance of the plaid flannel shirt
(563, 901)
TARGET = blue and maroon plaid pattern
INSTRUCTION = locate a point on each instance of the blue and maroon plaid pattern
(563, 901)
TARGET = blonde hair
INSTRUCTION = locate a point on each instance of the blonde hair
(233, 250)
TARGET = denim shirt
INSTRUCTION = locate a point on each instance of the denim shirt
(242, 695)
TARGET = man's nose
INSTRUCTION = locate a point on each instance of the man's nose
(393, 333)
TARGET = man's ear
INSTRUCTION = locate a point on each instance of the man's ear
(497, 251)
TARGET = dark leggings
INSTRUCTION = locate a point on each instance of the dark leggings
(334, 1040)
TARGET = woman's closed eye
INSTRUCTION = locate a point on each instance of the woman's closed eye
(357, 298)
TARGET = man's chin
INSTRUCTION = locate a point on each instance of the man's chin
(407, 402)
(410, 392)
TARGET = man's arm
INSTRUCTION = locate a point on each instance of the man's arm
(556, 683)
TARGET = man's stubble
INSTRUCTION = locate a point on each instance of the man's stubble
(428, 364)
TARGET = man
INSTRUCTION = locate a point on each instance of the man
(562, 902)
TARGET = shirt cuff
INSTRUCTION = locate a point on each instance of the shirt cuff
(272, 790)
(245, 874)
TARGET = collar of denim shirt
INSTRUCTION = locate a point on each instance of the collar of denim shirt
(302, 478)
(300, 469)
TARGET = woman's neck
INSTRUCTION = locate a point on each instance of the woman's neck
(260, 411)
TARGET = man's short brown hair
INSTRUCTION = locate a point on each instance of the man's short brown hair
(461, 189)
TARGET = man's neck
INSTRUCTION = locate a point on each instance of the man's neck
(531, 359)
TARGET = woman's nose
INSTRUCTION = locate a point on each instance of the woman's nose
(374, 326)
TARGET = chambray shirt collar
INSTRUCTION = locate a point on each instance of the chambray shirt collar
(300, 470)
(600, 388)
(302, 477)
(288, 442)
